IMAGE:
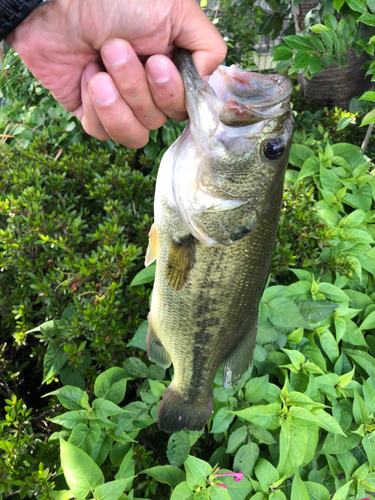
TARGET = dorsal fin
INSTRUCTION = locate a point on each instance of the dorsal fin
(152, 248)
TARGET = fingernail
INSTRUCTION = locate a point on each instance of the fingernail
(90, 71)
(103, 90)
(159, 71)
(115, 53)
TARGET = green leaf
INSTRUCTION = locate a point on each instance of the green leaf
(178, 448)
(111, 490)
(111, 384)
(218, 493)
(266, 416)
(69, 396)
(197, 471)
(182, 492)
(296, 357)
(166, 474)
(54, 360)
(105, 408)
(360, 412)
(85, 437)
(369, 118)
(145, 276)
(222, 420)
(245, 459)
(309, 168)
(369, 322)
(329, 346)
(265, 473)
(70, 419)
(328, 422)
(368, 443)
(298, 42)
(302, 60)
(357, 6)
(299, 154)
(368, 96)
(256, 388)
(342, 493)
(136, 367)
(237, 490)
(127, 469)
(319, 28)
(299, 490)
(236, 439)
(293, 442)
(81, 472)
(369, 396)
(139, 339)
(316, 491)
(282, 53)
(364, 360)
(284, 313)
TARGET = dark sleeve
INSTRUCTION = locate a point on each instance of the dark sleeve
(13, 12)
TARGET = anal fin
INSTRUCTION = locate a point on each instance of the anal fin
(155, 350)
(240, 359)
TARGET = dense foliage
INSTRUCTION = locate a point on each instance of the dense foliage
(80, 396)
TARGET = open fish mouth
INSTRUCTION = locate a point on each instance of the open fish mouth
(249, 97)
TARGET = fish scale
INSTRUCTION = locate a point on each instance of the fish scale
(216, 217)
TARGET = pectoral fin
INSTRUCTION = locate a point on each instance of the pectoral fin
(152, 248)
(239, 361)
(181, 260)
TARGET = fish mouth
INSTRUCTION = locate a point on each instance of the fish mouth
(249, 97)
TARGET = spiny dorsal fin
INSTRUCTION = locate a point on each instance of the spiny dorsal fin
(181, 259)
(152, 248)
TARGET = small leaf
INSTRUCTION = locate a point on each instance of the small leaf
(147, 275)
(178, 448)
(197, 471)
(111, 490)
(299, 490)
(166, 474)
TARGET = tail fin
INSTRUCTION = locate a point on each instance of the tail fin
(177, 412)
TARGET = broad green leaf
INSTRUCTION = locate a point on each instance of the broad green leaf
(299, 490)
(265, 473)
(369, 396)
(236, 439)
(357, 6)
(70, 419)
(369, 322)
(262, 435)
(309, 168)
(293, 442)
(105, 408)
(298, 42)
(218, 492)
(222, 420)
(157, 388)
(85, 437)
(266, 416)
(81, 472)
(348, 463)
(360, 411)
(178, 448)
(145, 276)
(296, 357)
(111, 490)
(70, 397)
(136, 367)
(111, 384)
(245, 458)
(54, 360)
(329, 346)
(277, 495)
(182, 492)
(368, 443)
(166, 474)
(369, 118)
(256, 388)
(127, 469)
(368, 96)
(299, 154)
(282, 53)
(61, 494)
(312, 443)
(342, 493)
(101, 448)
(197, 471)
(284, 313)
(364, 360)
(139, 339)
(316, 491)
(237, 490)
(328, 422)
(301, 417)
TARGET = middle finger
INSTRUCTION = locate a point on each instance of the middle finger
(129, 76)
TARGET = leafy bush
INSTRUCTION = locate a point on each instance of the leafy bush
(73, 298)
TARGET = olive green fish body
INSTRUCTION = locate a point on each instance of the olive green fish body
(217, 205)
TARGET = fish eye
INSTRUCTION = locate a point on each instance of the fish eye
(273, 149)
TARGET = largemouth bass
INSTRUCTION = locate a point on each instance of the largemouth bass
(217, 202)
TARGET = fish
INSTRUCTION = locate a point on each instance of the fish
(217, 201)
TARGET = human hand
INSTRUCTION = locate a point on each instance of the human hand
(67, 44)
